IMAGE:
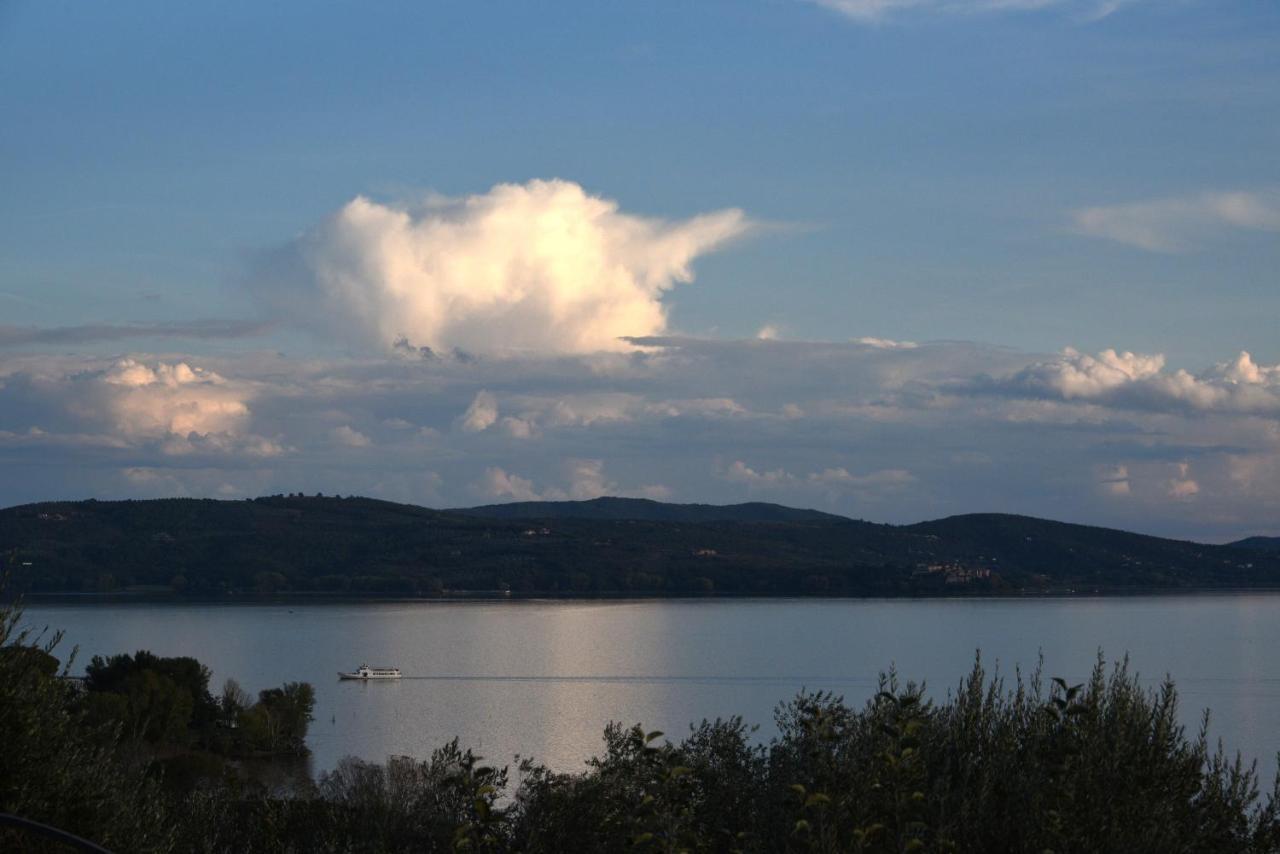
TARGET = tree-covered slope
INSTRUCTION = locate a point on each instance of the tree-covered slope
(1092, 556)
(1262, 543)
(648, 510)
(360, 545)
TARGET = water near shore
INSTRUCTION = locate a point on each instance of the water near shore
(543, 678)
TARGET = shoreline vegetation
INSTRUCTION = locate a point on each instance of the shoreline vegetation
(359, 548)
(140, 757)
(307, 597)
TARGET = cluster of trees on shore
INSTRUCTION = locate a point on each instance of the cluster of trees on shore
(166, 703)
(1027, 766)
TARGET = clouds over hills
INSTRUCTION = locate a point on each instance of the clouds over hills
(893, 433)
(515, 345)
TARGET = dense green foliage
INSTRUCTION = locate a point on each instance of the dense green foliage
(166, 702)
(1103, 766)
(360, 546)
(60, 767)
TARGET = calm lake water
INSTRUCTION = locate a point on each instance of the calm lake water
(543, 678)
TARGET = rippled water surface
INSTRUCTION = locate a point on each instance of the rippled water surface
(543, 678)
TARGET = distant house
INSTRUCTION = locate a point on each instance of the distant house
(955, 572)
(967, 575)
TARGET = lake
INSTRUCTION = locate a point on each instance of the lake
(542, 678)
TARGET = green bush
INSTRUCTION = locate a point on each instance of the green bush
(57, 765)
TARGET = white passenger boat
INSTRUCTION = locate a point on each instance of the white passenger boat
(367, 672)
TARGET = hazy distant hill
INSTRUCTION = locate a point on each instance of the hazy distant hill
(648, 510)
(602, 547)
(1263, 543)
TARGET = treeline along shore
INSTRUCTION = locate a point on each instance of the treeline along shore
(606, 547)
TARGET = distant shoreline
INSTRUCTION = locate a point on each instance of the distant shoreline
(318, 597)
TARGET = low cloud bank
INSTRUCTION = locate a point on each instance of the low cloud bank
(1142, 381)
(889, 433)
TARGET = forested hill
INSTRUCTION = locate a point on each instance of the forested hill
(604, 547)
(648, 510)
(1264, 543)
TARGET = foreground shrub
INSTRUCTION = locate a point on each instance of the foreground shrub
(57, 766)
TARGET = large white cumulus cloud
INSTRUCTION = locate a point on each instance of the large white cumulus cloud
(542, 267)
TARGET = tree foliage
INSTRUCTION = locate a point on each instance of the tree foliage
(59, 766)
(1098, 767)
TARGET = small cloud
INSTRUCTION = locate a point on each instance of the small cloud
(841, 476)
(589, 409)
(517, 428)
(142, 474)
(885, 343)
(740, 472)
(705, 407)
(656, 492)
(1183, 487)
(836, 479)
(768, 332)
(1114, 480)
(1180, 223)
(587, 480)
(879, 11)
(497, 483)
(584, 479)
(349, 436)
(481, 414)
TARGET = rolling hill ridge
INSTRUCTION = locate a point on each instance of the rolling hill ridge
(645, 509)
(608, 546)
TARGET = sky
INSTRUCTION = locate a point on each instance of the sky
(896, 259)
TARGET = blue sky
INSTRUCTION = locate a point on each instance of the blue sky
(1018, 178)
